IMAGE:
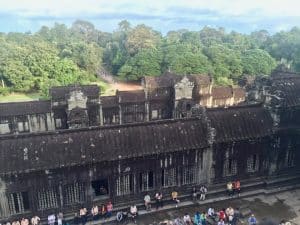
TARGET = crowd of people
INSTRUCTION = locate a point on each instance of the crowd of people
(228, 216)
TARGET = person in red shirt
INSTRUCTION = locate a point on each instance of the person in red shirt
(222, 215)
(238, 187)
(109, 208)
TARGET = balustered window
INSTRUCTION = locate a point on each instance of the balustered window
(253, 163)
(146, 181)
(189, 175)
(74, 193)
(47, 199)
(229, 167)
(290, 157)
(169, 177)
(18, 202)
(125, 184)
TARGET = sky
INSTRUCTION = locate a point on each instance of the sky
(162, 15)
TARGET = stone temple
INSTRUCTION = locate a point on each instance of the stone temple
(80, 148)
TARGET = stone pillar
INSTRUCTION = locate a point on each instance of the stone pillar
(147, 110)
(4, 207)
(100, 115)
(61, 197)
(120, 114)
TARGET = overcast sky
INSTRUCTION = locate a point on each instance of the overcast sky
(162, 15)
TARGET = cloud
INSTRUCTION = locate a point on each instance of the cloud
(241, 15)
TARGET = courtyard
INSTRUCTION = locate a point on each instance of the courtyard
(274, 208)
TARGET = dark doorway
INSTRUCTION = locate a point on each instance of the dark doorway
(100, 187)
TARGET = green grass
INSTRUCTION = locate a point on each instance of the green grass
(19, 97)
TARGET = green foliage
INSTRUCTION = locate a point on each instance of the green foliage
(146, 62)
(257, 61)
(62, 55)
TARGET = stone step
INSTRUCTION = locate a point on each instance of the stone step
(218, 193)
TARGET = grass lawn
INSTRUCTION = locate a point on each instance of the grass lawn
(106, 89)
(20, 97)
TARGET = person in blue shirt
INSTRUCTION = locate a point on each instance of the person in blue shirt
(197, 218)
(252, 220)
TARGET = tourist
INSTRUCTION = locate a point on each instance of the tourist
(222, 215)
(133, 212)
(24, 221)
(211, 213)
(187, 219)
(194, 194)
(109, 208)
(158, 200)
(95, 212)
(252, 220)
(60, 218)
(7, 223)
(83, 215)
(178, 221)
(175, 199)
(238, 187)
(16, 222)
(221, 222)
(35, 220)
(229, 211)
(147, 201)
(229, 189)
(197, 218)
(203, 191)
(103, 210)
(203, 218)
(51, 219)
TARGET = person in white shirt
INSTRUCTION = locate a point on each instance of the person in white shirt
(211, 212)
(147, 200)
(51, 219)
(133, 212)
(187, 219)
(35, 220)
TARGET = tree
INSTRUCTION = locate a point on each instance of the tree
(146, 62)
(185, 59)
(226, 62)
(257, 61)
(141, 37)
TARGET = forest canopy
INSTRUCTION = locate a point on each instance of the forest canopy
(62, 55)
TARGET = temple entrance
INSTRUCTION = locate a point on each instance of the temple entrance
(100, 188)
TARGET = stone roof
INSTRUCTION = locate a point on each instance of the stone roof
(168, 79)
(240, 123)
(222, 92)
(131, 96)
(60, 92)
(109, 101)
(287, 86)
(83, 146)
(201, 79)
(239, 92)
(24, 108)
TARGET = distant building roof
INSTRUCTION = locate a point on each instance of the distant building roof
(74, 147)
(240, 122)
(131, 96)
(221, 92)
(61, 92)
(109, 101)
(24, 108)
